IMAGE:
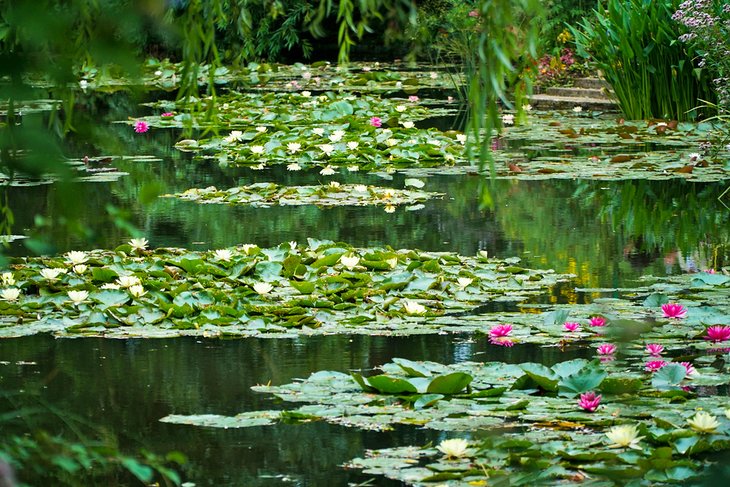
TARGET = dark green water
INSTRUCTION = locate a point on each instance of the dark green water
(607, 233)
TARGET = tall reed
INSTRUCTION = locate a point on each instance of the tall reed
(634, 43)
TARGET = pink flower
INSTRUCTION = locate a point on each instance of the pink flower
(376, 122)
(500, 331)
(589, 401)
(571, 326)
(474, 13)
(413, 98)
(654, 365)
(654, 349)
(674, 310)
(168, 114)
(718, 333)
(501, 341)
(141, 126)
(606, 349)
(691, 371)
(710, 271)
(597, 321)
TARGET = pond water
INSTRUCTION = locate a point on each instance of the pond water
(607, 233)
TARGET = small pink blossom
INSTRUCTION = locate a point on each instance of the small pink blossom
(500, 331)
(654, 349)
(709, 271)
(140, 126)
(691, 371)
(606, 349)
(674, 310)
(376, 122)
(413, 98)
(474, 13)
(168, 114)
(654, 365)
(597, 321)
(589, 401)
(571, 326)
(718, 333)
(501, 341)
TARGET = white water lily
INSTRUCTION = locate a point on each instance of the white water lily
(306, 94)
(293, 167)
(353, 168)
(434, 142)
(293, 245)
(353, 144)
(7, 279)
(139, 243)
(625, 435)
(391, 142)
(392, 262)
(389, 209)
(433, 75)
(337, 135)
(294, 147)
(327, 171)
(78, 296)
(453, 448)
(233, 136)
(483, 254)
(360, 188)
(703, 422)
(694, 156)
(10, 294)
(461, 138)
(110, 285)
(400, 108)
(52, 274)
(508, 119)
(413, 308)
(263, 287)
(261, 129)
(137, 291)
(349, 261)
(334, 184)
(128, 281)
(223, 254)
(258, 167)
(318, 131)
(328, 149)
(77, 257)
(80, 268)
(257, 149)
(408, 124)
(248, 247)
(578, 109)
(527, 107)
(463, 282)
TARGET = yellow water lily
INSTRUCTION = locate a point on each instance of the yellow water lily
(703, 422)
(10, 294)
(454, 448)
(263, 287)
(413, 308)
(624, 436)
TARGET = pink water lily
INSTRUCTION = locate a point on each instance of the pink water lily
(589, 401)
(168, 114)
(654, 365)
(597, 321)
(718, 333)
(376, 122)
(500, 331)
(654, 349)
(413, 98)
(674, 310)
(140, 126)
(691, 371)
(606, 349)
(501, 341)
(571, 326)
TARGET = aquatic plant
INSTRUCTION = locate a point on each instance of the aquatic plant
(597, 321)
(606, 349)
(674, 310)
(453, 448)
(589, 401)
(654, 349)
(718, 333)
(703, 422)
(571, 326)
(624, 436)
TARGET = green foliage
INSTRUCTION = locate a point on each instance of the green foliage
(634, 44)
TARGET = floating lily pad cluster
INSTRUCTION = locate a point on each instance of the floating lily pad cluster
(645, 426)
(333, 194)
(324, 287)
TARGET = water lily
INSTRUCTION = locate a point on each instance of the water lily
(327, 171)
(328, 149)
(337, 135)
(391, 142)
(10, 294)
(353, 168)
(138, 243)
(318, 131)
(258, 167)
(140, 126)
(718, 333)
(389, 209)
(80, 268)
(263, 287)
(597, 321)
(376, 122)
(294, 147)
(527, 107)
(167, 114)
(654, 349)
(413, 308)
(334, 184)
(401, 108)
(606, 349)
(500, 331)
(461, 138)
(571, 326)
(508, 119)
(52, 274)
(306, 94)
(413, 98)
(578, 109)
(76, 257)
(261, 129)
(223, 254)
(703, 422)
(453, 448)
(360, 188)
(624, 436)
(589, 401)
(392, 262)
(128, 281)
(349, 261)
(293, 167)
(257, 149)
(110, 285)
(695, 156)
(502, 341)
(408, 124)
(234, 136)
(247, 248)
(137, 291)
(78, 296)
(691, 371)
(7, 279)
(654, 365)
(352, 145)
(463, 282)
(674, 310)
(433, 75)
